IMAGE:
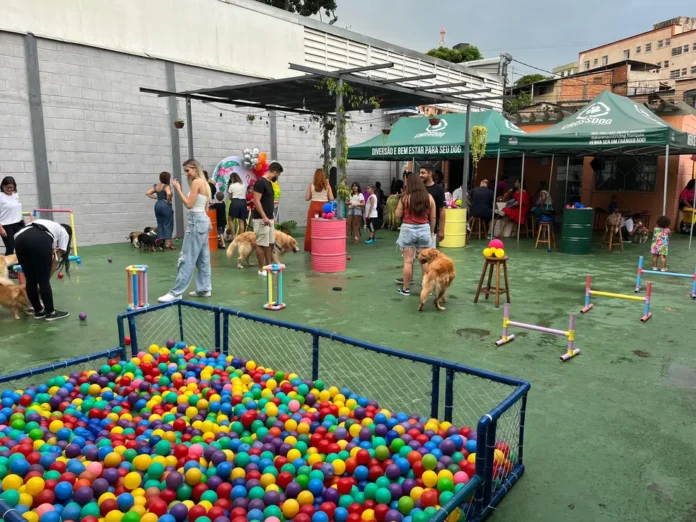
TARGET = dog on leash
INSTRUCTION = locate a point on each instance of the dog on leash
(246, 244)
(14, 297)
(438, 274)
(134, 237)
(6, 264)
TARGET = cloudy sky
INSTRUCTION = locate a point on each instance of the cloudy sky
(542, 33)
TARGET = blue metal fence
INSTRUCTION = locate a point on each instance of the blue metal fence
(493, 405)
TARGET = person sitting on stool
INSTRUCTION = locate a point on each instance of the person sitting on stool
(42, 247)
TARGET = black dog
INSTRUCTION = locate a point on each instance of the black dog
(147, 242)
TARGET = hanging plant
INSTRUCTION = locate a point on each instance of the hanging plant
(386, 132)
(479, 139)
(434, 121)
(329, 126)
(179, 124)
(250, 118)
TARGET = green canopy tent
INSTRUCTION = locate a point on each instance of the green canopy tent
(416, 138)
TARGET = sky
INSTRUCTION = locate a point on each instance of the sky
(541, 33)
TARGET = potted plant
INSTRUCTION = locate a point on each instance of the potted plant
(179, 124)
(386, 132)
(250, 118)
(434, 121)
(329, 126)
(342, 194)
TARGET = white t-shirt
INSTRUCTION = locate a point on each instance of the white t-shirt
(10, 209)
(237, 191)
(59, 234)
(356, 199)
(372, 200)
(628, 223)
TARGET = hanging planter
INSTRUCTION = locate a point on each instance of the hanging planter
(179, 124)
(368, 108)
(250, 118)
(386, 132)
(330, 126)
(434, 121)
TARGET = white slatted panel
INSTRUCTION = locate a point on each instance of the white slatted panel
(326, 51)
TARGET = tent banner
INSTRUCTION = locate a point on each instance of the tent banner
(416, 150)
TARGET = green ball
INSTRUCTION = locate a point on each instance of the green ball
(383, 496)
(371, 490)
(445, 497)
(397, 444)
(131, 516)
(302, 480)
(183, 492)
(429, 462)
(271, 511)
(242, 460)
(445, 484)
(406, 505)
(279, 376)
(36, 434)
(156, 470)
(345, 501)
(11, 497)
(163, 448)
(90, 510)
(421, 516)
(256, 492)
(210, 496)
(382, 452)
(319, 385)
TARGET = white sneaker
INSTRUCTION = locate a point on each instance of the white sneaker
(168, 298)
(263, 273)
(200, 294)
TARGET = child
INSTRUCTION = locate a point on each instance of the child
(660, 242)
(220, 211)
(250, 202)
(371, 213)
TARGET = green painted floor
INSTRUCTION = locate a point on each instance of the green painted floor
(610, 434)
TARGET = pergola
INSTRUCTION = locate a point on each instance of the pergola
(306, 95)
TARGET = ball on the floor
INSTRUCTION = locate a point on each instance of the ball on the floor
(348, 258)
(60, 275)
(496, 243)
(127, 340)
(82, 316)
(110, 260)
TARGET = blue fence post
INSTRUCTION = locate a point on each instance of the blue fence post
(181, 324)
(9, 514)
(481, 433)
(435, 394)
(449, 394)
(523, 412)
(315, 357)
(217, 329)
(226, 334)
(121, 337)
(133, 335)
(490, 464)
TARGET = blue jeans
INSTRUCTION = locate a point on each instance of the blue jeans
(165, 220)
(194, 254)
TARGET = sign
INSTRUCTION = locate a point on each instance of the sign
(593, 114)
(433, 131)
(421, 150)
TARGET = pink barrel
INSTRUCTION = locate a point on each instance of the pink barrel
(328, 245)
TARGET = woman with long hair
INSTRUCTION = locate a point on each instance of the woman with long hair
(418, 211)
(319, 193)
(516, 211)
(164, 214)
(238, 205)
(356, 205)
(11, 220)
(211, 182)
(195, 252)
(42, 248)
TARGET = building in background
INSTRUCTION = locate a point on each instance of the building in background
(565, 70)
(76, 129)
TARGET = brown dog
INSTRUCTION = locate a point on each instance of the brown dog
(6, 263)
(438, 274)
(246, 243)
(14, 297)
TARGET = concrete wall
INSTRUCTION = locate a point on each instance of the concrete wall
(16, 149)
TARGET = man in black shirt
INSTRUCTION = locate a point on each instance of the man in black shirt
(262, 216)
(438, 195)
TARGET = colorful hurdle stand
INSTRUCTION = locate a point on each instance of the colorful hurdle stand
(136, 282)
(75, 257)
(571, 352)
(641, 271)
(20, 275)
(647, 314)
(274, 280)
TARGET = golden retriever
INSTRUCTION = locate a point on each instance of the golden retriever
(438, 274)
(14, 297)
(246, 243)
(6, 263)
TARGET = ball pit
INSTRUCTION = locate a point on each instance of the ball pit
(182, 434)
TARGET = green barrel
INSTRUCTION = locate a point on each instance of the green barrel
(576, 235)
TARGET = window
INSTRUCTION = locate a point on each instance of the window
(542, 91)
(674, 74)
(638, 49)
(597, 79)
(668, 42)
(660, 44)
(627, 173)
(683, 72)
(686, 48)
(595, 62)
(693, 69)
(676, 51)
(627, 54)
(587, 64)
(605, 60)
(666, 64)
(648, 47)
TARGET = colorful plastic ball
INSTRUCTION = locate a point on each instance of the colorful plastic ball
(82, 316)
(488, 252)
(495, 244)
(500, 253)
(328, 207)
(110, 260)
(60, 275)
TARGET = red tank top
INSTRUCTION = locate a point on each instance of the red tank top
(410, 219)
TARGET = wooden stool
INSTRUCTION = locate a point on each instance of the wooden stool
(545, 235)
(490, 263)
(612, 231)
(478, 227)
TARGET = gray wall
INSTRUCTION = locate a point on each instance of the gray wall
(106, 142)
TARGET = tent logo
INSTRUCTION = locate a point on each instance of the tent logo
(433, 131)
(591, 115)
(691, 140)
(511, 126)
(649, 115)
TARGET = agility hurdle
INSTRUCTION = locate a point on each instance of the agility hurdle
(20, 274)
(75, 256)
(274, 279)
(136, 283)
(647, 314)
(641, 271)
(29, 215)
(569, 333)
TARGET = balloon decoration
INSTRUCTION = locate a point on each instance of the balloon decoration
(232, 164)
(495, 249)
(256, 160)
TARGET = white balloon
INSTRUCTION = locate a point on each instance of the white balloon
(247, 151)
(256, 152)
(254, 161)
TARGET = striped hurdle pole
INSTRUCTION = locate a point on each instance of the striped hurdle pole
(646, 300)
(642, 271)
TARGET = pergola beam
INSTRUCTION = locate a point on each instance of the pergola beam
(443, 86)
(365, 68)
(408, 79)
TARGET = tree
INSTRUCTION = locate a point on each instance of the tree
(513, 105)
(463, 54)
(531, 78)
(306, 7)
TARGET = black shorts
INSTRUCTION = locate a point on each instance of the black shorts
(372, 224)
(238, 209)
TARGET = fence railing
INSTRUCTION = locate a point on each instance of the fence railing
(492, 405)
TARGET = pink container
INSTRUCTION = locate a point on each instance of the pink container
(328, 245)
